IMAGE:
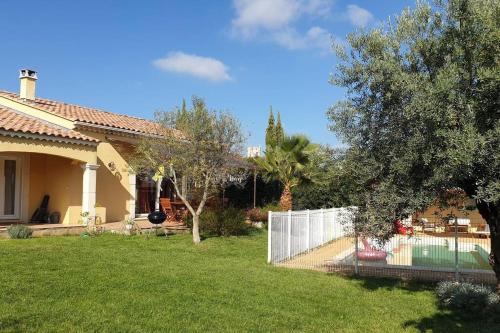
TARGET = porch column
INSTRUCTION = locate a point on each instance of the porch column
(132, 189)
(158, 190)
(89, 188)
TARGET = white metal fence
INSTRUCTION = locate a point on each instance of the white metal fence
(295, 232)
(324, 239)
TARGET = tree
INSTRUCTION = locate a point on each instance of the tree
(288, 163)
(334, 188)
(270, 130)
(201, 144)
(422, 114)
(279, 133)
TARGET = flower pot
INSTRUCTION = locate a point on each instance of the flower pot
(157, 217)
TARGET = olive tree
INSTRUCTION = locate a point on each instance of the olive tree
(422, 113)
(202, 145)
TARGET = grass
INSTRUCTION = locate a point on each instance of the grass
(117, 284)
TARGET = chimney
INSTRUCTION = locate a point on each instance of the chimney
(28, 79)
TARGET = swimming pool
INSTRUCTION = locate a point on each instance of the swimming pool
(442, 256)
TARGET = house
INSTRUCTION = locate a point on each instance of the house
(76, 155)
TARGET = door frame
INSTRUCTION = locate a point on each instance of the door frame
(18, 187)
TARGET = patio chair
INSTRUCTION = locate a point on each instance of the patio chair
(166, 206)
(426, 226)
(462, 224)
(483, 233)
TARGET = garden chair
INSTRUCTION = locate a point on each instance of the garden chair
(166, 206)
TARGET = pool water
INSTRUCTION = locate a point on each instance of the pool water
(441, 256)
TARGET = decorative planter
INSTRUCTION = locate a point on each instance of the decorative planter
(157, 217)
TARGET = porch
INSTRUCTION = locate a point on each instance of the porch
(44, 229)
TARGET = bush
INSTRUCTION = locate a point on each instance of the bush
(256, 215)
(19, 231)
(223, 222)
(468, 299)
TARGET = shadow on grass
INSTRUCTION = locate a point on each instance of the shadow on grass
(444, 320)
(451, 321)
(11, 324)
(372, 284)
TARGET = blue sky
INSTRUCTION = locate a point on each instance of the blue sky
(136, 57)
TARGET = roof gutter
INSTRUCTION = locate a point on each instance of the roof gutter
(51, 138)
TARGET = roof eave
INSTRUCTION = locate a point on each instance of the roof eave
(51, 138)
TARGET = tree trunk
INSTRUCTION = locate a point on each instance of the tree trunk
(490, 212)
(286, 198)
(196, 229)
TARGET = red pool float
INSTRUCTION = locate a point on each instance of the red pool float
(369, 253)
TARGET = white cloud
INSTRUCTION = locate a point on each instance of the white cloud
(358, 16)
(273, 21)
(254, 15)
(202, 67)
(315, 37)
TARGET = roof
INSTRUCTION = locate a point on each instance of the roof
(23, 124)
(88, 116)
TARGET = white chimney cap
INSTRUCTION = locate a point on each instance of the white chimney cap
(28, 73)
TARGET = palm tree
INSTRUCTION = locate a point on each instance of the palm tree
(288, 163)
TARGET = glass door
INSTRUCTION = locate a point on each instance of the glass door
(9, 187)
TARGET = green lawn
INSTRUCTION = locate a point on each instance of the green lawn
(117, 284)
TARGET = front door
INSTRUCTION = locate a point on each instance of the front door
(10, 187)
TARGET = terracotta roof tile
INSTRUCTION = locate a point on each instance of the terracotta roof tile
(89, 115)
(18, 122)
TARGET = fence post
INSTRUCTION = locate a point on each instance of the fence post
(289, 234)
(456, 249)
(322, 219)
(308, 230)
(269, 238)
(356, 263)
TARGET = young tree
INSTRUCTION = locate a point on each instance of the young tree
(422, 114)
(203, 147)
(288, 163)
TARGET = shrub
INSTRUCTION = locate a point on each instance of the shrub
(19, 231)
(468, 299)
(256, 215)
(223, 222)
(261, 214)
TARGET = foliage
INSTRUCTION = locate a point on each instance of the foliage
(158, 285)
(223, 222)
(468, 299)
(19, 231)
(260, 214)
(202, 144)
(242, 196)
(422, 112)
(274, 131)
(335, 188)
(290, 164)
(256, 214)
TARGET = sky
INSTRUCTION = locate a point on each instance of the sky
(136, 57)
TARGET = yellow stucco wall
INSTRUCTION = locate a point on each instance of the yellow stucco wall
(61, 179)
(55, 169)
(113, 187)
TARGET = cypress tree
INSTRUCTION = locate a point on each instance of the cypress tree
(279, 133)
(270, 130)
